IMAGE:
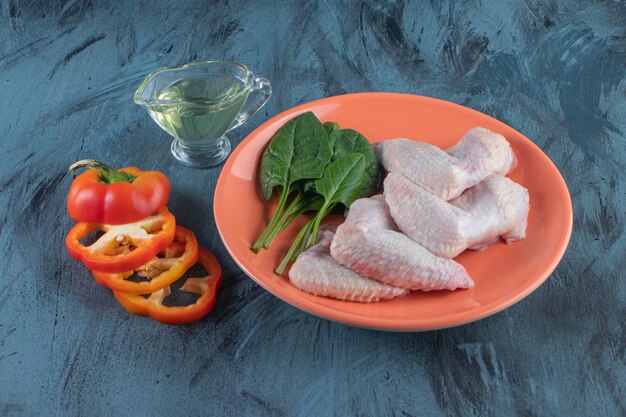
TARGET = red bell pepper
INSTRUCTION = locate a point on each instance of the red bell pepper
(176, 259)
(153, 306)
(122, 247)
(105, 195)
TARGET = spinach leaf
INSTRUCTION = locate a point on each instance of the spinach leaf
(340, 184)
(330, 127)
(332, 130)
(315, 167)
(345, 142)
(342, 180)
(350, 141)
(299, 150)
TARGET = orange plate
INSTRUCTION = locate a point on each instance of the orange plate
(504, 274)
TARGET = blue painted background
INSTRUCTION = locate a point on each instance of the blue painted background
(555, 71)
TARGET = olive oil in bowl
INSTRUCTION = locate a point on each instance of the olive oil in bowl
(198, 103)
(197, 109)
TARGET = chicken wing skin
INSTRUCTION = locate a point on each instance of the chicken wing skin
(446, 174)
(497, 207)
(369, 243)
(316, 272)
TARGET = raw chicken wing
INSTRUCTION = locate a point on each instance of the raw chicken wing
(316, 272)
(497, 207)
(369, 243)
(446, 174)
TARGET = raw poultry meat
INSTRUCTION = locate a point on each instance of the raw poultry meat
(316, 272)
(368, 242)
(446, 174)
(497, 207)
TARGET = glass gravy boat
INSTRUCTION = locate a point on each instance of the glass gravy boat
(198, 103)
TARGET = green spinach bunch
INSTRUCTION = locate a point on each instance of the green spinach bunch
(313, 167)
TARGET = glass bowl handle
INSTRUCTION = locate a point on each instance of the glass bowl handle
(260, 92)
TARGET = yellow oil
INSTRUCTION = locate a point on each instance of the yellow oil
(198, 110)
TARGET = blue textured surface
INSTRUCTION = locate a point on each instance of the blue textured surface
(554, 71)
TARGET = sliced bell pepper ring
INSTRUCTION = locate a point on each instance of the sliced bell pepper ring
(177, 258)
(122, 247)
(153, 306)
(105, 195)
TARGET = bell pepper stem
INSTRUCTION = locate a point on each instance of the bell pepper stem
(108, 175)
